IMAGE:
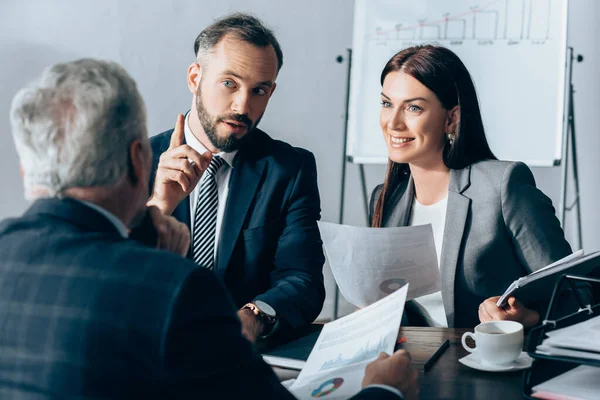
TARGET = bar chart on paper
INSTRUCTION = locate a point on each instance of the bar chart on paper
(515, 51)
(368, 352)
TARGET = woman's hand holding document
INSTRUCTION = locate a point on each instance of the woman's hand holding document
(370, 263)
(538, 285)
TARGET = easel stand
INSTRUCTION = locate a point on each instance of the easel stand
(570, 143)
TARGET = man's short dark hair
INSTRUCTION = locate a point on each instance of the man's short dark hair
(245, 27)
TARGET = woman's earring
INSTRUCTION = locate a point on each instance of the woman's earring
(450, 137)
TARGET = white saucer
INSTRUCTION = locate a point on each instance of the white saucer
(522, 362)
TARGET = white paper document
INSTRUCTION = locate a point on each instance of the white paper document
(370, 263)
(587, 335)
(581, 383)
(336, 365)
(561, 352)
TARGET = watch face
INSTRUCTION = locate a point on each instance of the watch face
(264, 307)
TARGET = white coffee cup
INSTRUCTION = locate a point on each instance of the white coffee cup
(496, 342)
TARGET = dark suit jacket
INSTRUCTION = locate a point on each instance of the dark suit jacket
(499, 227)
(85, 313)
(270, 248)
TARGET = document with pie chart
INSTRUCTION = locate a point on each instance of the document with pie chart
(336, 365)
(370, 263)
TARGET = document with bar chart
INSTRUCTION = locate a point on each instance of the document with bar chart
(336, 364)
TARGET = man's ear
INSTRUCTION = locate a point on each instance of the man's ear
(453, 120)
(194, 77)
(138, 164)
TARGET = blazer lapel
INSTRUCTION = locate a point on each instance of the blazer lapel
(456, 217)
(245, 178)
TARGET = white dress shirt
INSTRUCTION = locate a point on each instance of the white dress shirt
(432, 305)
(222, 177)
(119, 225)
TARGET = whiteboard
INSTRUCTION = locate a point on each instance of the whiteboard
(515, 50)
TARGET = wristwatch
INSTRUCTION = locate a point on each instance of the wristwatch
(264, 313)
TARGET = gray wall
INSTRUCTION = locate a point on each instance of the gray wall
(155, 44)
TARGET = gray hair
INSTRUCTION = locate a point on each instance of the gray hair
(73, 126)
(244, 27)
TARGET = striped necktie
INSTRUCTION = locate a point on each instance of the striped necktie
(205, 217)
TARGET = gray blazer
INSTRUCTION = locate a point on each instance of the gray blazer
(499, 227)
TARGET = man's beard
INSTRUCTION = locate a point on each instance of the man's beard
(209, 124)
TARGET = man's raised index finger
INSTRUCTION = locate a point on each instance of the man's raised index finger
(178, 135)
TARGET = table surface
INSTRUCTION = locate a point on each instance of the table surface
(449, 379)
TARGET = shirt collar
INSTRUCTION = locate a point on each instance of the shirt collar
(195, 144)
(119, 225)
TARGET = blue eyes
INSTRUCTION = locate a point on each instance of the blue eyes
(410, 108)
(258, 91)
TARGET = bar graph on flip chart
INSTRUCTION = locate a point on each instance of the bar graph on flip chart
(514, 49)
(495, 20)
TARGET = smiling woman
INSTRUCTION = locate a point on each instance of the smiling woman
(491, 225)
(413, 121)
